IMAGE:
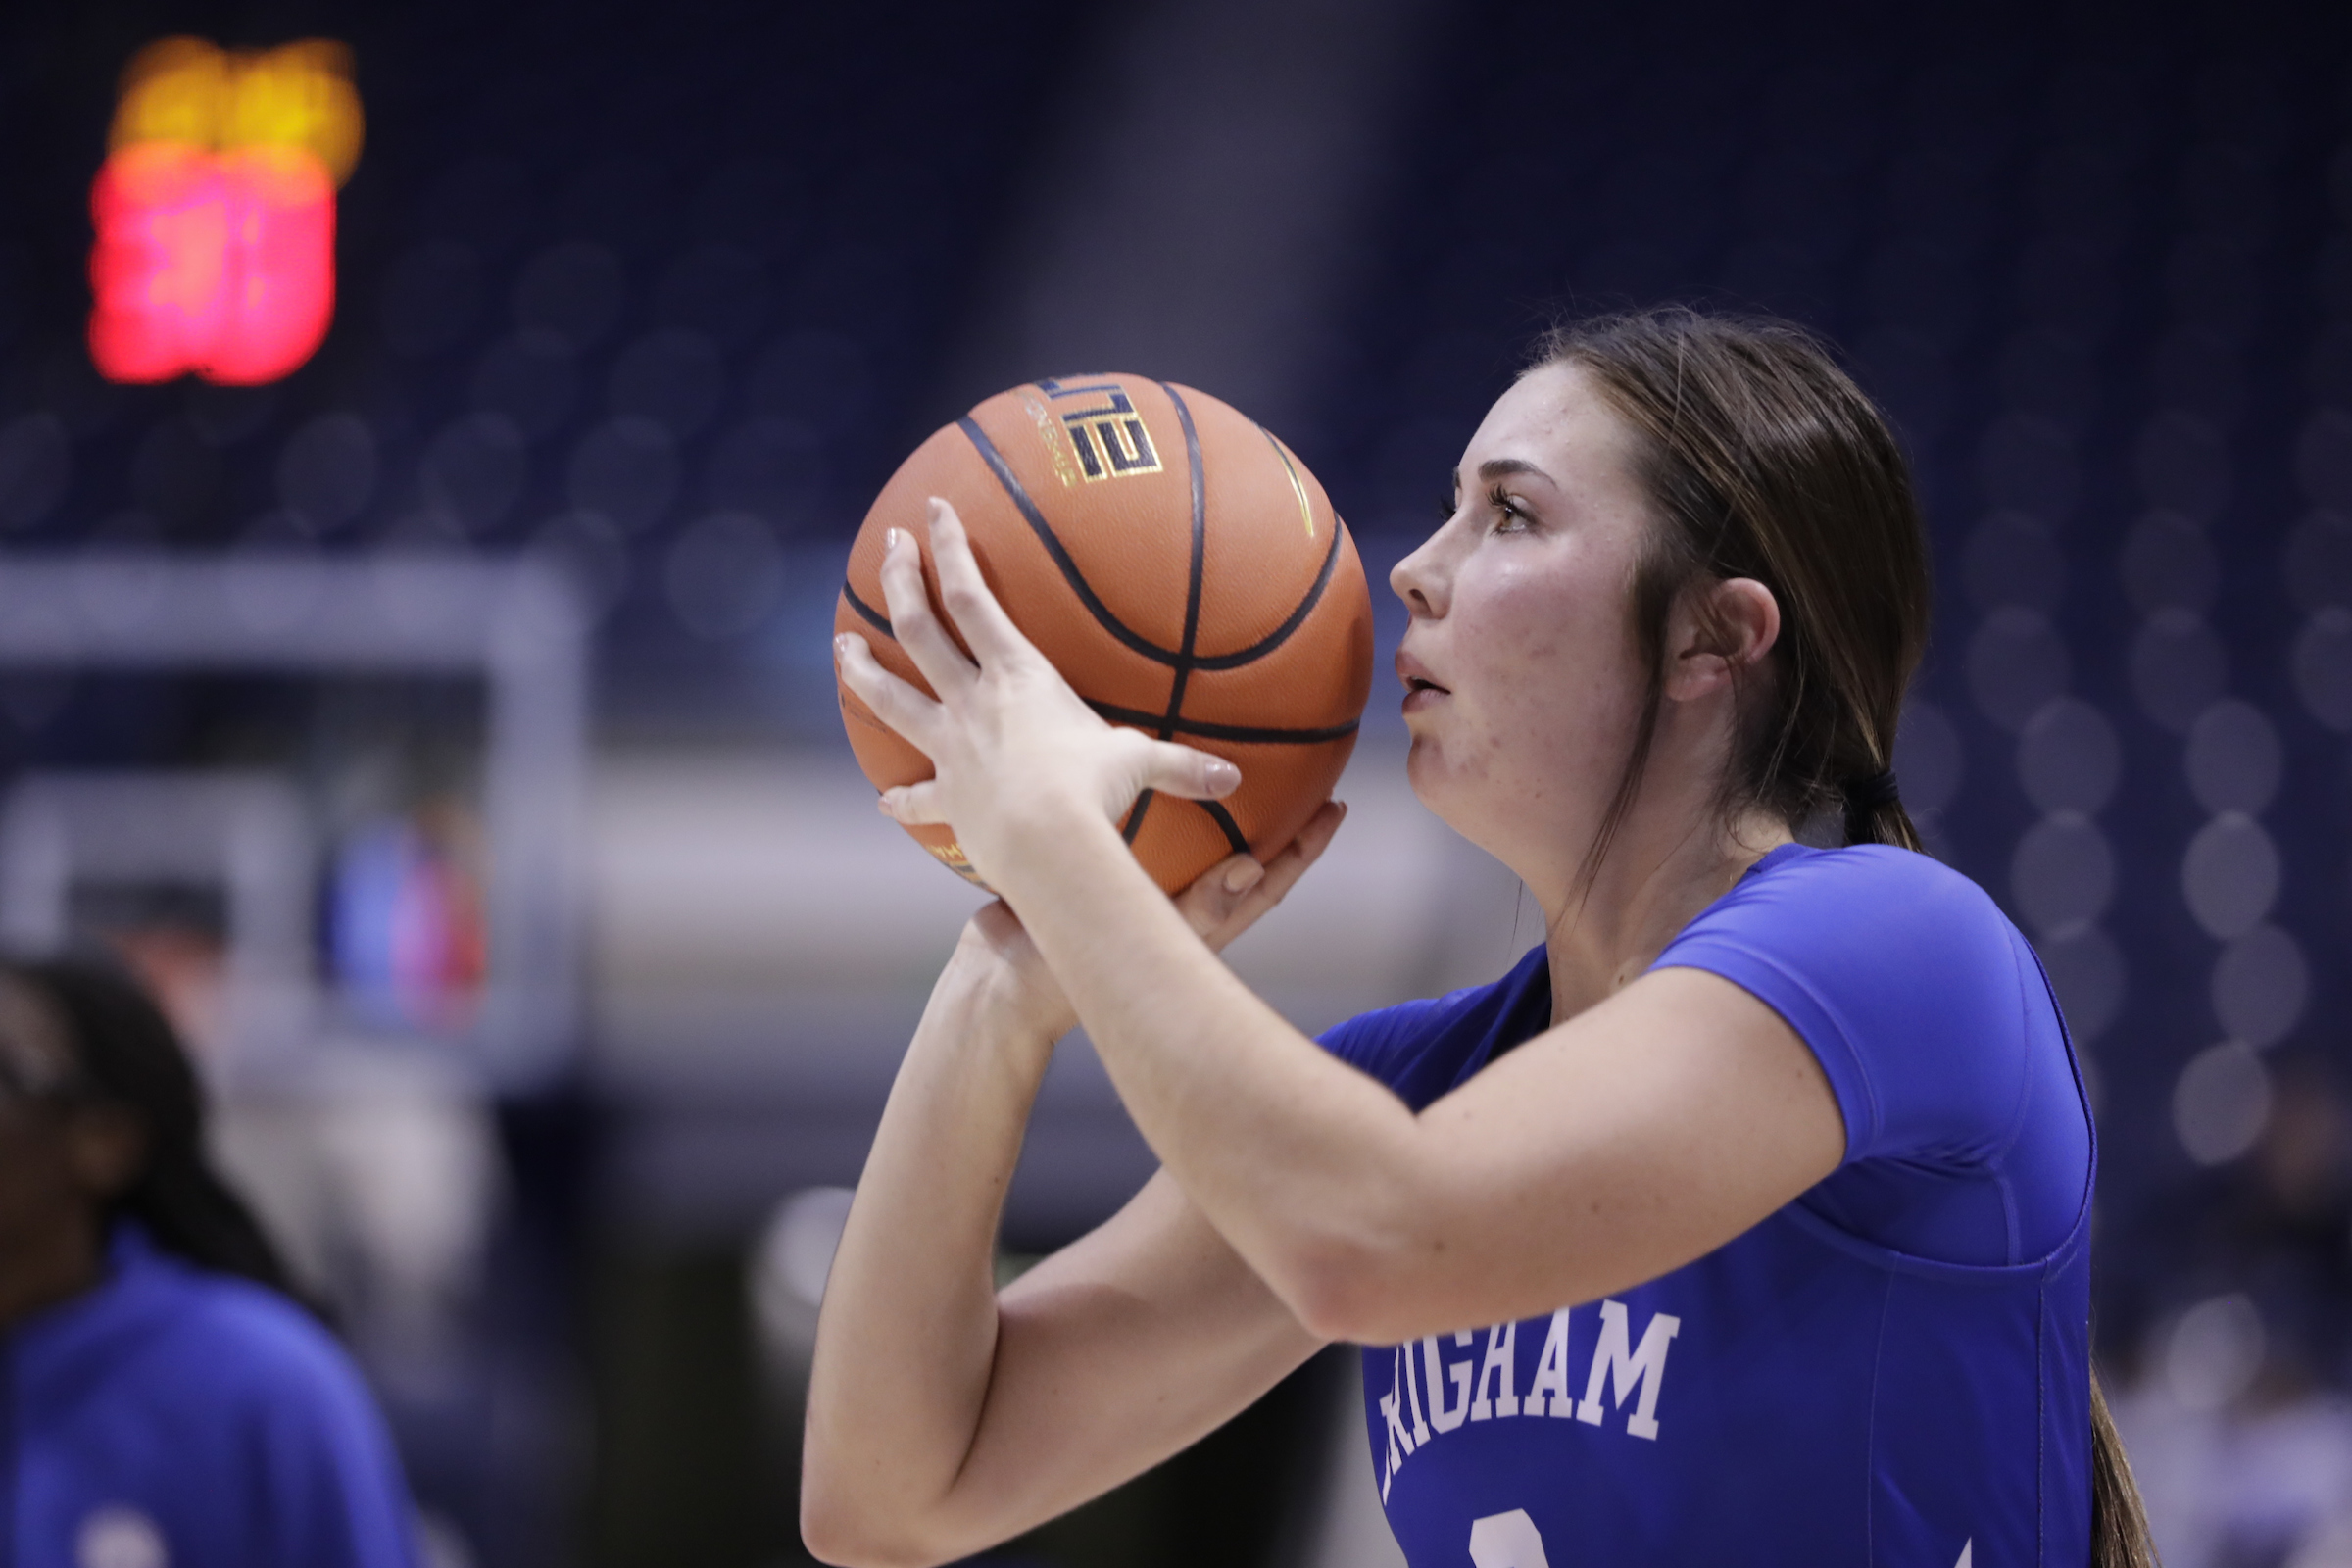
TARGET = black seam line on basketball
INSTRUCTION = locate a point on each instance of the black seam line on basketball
(1224, 819)
(1112, 623)
(868, 613)
(1054, 547)
(1242, 734)
(1135, 817)
(1192, 582)
(1282, 633)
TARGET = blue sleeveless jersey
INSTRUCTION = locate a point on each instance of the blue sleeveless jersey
(1893, 1369)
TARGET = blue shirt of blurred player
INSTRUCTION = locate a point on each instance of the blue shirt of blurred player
(165, 1402)
(176, 1416)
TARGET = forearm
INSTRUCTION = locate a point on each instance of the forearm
(1305, 1168)
(1121, 1350)
(1664, 1122)
(907, 1338)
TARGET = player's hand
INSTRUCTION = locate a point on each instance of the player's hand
(1235, 893)
(1015, 753)
(1227, 899)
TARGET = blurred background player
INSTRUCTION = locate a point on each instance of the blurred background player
(164, 1397)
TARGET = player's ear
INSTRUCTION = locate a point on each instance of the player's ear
(1716, 633)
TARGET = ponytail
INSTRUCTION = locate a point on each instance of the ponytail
(2119, 1520)
(1874, 813)
(127, 1055)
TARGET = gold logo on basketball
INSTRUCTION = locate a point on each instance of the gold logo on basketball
(952, 856)
(1104, 430)
(1049, 432)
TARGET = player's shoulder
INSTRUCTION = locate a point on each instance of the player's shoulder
(1870, 897)
(1924, 1004)
(1866, 930)
(1877, 947)
(240, 1339)
(1882, 869)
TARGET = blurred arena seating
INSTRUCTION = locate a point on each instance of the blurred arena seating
(658, 295)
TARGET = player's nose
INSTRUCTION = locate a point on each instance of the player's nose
(1419, 579)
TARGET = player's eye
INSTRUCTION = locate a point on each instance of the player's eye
(1508, 512)
(1447, 504)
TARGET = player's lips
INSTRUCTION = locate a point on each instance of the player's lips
(1420, 690)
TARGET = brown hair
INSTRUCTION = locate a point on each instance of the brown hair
(1764, 459)
(123, 1053)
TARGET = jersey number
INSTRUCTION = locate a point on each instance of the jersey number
(1506, 1541)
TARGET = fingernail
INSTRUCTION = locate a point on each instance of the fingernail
(890, 540)
(1243, 877)
(840, 646)
(1223, 775)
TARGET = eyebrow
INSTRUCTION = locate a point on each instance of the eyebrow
(1504, 467)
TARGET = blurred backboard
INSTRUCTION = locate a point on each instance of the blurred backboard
(359, 781)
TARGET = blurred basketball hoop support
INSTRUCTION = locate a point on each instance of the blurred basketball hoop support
(515, 625)
(245, 833)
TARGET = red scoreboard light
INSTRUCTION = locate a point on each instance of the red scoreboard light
(216, 212)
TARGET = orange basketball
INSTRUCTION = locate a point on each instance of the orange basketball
(1180, 567)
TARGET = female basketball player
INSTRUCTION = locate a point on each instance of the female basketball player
(1745, 1220)
(163, 1401)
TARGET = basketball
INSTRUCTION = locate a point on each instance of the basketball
(1182, 569)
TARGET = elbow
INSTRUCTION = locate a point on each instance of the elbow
(1351, 1257)
(837, 1533)
(849, 1543)
(1342, 1291)
(848, 1532)
(1378, 1274)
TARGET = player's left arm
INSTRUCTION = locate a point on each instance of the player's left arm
(1642, 1134)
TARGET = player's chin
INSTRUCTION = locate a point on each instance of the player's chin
(1431, 771)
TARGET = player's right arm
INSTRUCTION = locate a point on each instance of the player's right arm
(943, 1416)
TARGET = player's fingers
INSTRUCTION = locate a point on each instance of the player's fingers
(913, 805)
(1216, 893)
(1180, 770)
(895, 702)
(914, 621)
(1287, 865)
(970, 603)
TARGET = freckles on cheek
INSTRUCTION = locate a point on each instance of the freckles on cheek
(1458, 756)
(1531, 623)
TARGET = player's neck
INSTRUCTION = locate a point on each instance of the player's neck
(1668, 861)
